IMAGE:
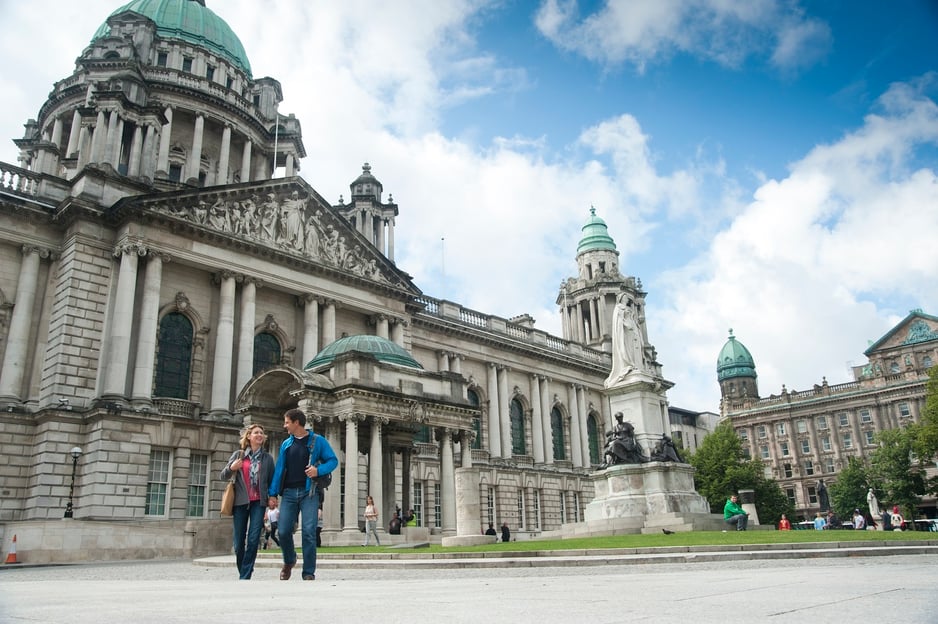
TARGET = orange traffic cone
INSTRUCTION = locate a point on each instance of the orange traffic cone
(11, 556)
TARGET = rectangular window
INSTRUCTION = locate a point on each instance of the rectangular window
(805, 447)
(767, 472)
(761, 431)
(563, 507)
(868, 435)
(802, 426)
(491, 502)
(808, 467)
(904, 411)
(743, 434)
(437, 506)
(161, 59)
(521, 521)
(848, 441)
(537, 509)
(826, 443)
(866, 416)
(790, 493)
(175, 173)
(186, 64)
(787, 469)
(198, 484)
(229, 82)
(812, 495)
(576, 507)
(780, 428)
(829, 465)
(418, 502)
(747, 452)
(157, 483)
(822, 422)
(784, 446)
(843, 419)
(210, 73)
(764, 451)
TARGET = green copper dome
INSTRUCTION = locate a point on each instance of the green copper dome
(735, 360)
(190, 21)
(595, 235)
(379, 348)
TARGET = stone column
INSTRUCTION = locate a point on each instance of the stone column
(246, 334)
(537, 425)
(442, 360)
(504, 413)
(548, 421)
(376, 469)
(397, 332)
(601, 306)
(351, 473)
(382, 225)
(291, 166)
(328, 324)
(495, 437)
(147, 164)
(113, 142)
(162, 159)
(142, 392)
(447, 483)
(246, 161)
(456, 363)
(224, 337)
(99, 139)
(406, 502)
(224, 155)
(391, 240)
(575, 449)
(465, 446)
(381, 325)
(584, 433)
(74, 135)
(195, 157)
(331, 512)
(14, 358)
(310, 329)
(136, 150)
(594, 328)
(118, 350)
(85, 140)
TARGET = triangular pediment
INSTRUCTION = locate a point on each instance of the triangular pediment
(916, 328)
(285, 216)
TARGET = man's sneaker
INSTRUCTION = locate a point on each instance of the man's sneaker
(309, 577)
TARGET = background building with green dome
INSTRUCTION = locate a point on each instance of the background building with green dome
(161, 287)
(804, 436)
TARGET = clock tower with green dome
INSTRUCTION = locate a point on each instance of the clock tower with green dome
(736, 371)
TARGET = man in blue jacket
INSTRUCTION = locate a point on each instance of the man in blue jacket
(303, 457)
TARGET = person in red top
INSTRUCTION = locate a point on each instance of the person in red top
(784, 524)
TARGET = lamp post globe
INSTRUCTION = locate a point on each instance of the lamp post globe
(75, 452)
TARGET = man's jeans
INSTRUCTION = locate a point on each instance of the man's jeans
(248, 521)
(298, 502)
(740, 520)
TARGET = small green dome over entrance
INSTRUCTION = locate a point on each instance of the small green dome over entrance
(595, 235)
(189, 20)
(379, 348)
(735, 360)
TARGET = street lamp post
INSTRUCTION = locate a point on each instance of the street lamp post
(76, 453)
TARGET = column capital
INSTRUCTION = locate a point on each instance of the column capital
(380, 420)
(225, 274)
(351, 417)
(247, 279)
(42, 252)
(130, 247)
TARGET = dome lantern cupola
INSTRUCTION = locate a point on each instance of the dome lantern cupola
(736, 370)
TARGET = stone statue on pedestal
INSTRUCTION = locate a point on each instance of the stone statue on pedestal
(621, 445)
(665, 451)
(628, 345)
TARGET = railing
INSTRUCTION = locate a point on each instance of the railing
(18, 180)
(427, 450)
(175, 407)
(472, 317)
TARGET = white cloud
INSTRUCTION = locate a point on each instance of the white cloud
(642, 32)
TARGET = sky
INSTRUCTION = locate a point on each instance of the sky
(767, 166)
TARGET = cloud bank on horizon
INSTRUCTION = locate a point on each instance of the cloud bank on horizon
(496, 127)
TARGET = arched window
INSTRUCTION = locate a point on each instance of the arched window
(173, 357)
(556, 430)
(593, 433)
(517, 428)
(266, 352)
(476, 422)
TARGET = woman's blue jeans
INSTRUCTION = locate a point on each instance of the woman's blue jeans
(248, 524)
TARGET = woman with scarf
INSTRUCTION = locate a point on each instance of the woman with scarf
(253, 470)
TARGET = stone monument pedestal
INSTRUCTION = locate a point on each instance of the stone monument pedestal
(643, 402)
(646, 498)
(468, 532)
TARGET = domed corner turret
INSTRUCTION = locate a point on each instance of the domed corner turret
(596, 253)
(736, 370)
(366, 186)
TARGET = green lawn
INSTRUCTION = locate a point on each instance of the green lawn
(693, 538)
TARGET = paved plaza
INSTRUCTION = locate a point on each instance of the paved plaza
(871, 588)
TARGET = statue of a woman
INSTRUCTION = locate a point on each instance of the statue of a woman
(628, 347)
(873, 504)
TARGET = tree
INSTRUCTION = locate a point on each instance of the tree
(848, 492)
(723, 469)
(892, 466)
(925, 433)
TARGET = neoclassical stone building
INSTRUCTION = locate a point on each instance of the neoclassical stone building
(809, 435)
(159, 289)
